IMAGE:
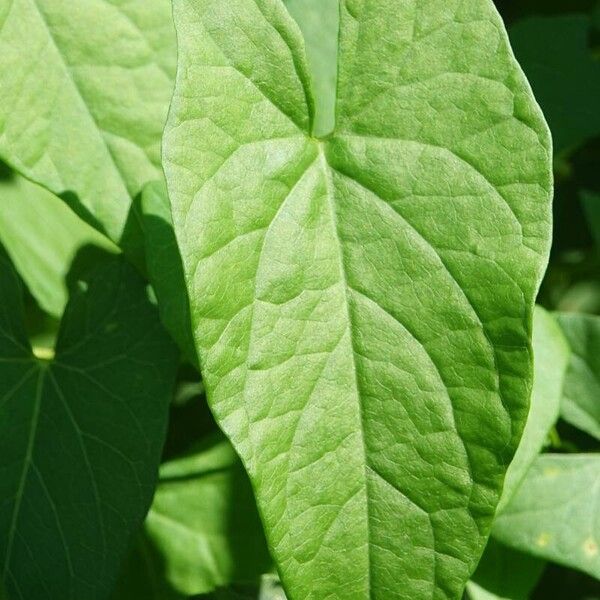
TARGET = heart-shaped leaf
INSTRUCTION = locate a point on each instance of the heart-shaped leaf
(80, 434)
(362, 303)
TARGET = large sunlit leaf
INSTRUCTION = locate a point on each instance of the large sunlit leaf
(42, 236)
(581, 392)
(80, 434)
(504, 574)
(362, 303)
(550, 357)
(555, 513)
(84, 93)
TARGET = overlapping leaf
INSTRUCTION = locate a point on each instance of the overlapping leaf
(202, 530)
(504, 574)
(362, 303)
(85, 89)
(581, 392)
(42, 237)
(80, 435)
(164, 267)
(555, 512)
(551, 357)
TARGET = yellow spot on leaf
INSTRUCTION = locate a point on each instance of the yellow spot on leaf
(551, 471)
(543, 540)
(590, 547)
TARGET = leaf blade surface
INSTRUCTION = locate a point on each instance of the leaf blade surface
(554, 514)
(85, 98)
(345, 292)
(81, 434)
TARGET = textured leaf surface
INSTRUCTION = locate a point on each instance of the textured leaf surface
(581, 392)
(550, 357)
(42, 237)
(84, 95)
(556, 512)
(80, 436)
(362, 303)
(504, 574)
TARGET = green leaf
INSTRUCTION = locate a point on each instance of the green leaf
(203, 522)
(551, 357)
(142, 575)
(80, 433)
(42, 237)
(591, 208)
(581, 392)
(163, 263)
(269, 589)
(362, 303)
(554, 514)
(85, 95)
(319, 21)
(552, 49)
(504, 574)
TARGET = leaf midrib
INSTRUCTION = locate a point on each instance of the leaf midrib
(28, 459)
(329, 186)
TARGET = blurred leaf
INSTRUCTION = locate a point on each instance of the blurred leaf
(269, 589)
(551, 356)
(165, 270)
(556, 56)
(554, 514)
(517, 9)
(42, 236)
(142, 575)
(504, 574)
(580, 297)
(319, 22)
(591, 208)
(203, 525)
(581, 392)
(80, 433)
(86, 121)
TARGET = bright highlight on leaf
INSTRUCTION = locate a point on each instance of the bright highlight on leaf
(362, 303)
(80, 434)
